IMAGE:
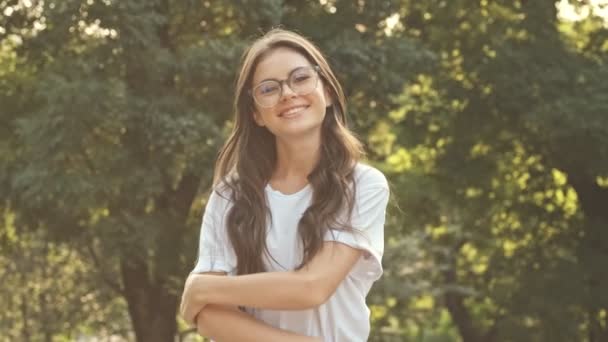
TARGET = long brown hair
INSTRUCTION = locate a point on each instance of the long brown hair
(248, 158)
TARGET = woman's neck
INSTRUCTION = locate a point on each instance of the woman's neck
(296, 159)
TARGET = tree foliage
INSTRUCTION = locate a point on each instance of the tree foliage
(489, 118)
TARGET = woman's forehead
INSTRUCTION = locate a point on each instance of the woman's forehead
(278, 63)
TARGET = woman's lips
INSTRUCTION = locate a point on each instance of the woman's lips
(293, 111)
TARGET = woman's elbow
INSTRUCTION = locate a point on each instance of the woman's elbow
(318, 292)
(211, 317)
(203, 319)
(321, 296)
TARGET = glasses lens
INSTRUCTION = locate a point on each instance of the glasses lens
(267, 93)
(303, 81)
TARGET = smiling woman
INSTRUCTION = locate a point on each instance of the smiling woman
(294, 218)
(304, 98)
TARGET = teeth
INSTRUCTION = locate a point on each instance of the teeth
(293, 110)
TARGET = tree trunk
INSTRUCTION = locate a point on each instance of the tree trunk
(454, 302)
(593, 252)
(152, 307)
(25, 331)
(458, 311)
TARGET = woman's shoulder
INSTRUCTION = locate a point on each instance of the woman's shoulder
(367, 176)
(220, 195)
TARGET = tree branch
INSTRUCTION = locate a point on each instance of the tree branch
(104, 275)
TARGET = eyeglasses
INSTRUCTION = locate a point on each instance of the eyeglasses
(301, 81)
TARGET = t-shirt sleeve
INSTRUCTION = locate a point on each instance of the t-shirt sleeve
(214, 254)
(367, 219)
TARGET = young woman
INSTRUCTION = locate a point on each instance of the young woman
(294, 218)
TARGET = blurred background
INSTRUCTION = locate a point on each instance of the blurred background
(490, 119)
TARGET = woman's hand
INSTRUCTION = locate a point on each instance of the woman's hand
(194, 297)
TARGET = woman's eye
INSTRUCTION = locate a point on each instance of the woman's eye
(268, 89)
(300, 78)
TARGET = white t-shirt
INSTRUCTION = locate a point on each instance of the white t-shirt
(345, 316)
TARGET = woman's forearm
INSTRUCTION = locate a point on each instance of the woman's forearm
(268, 290)
(225, 324)
(305, 288)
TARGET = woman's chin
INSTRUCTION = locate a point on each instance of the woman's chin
(299, 129)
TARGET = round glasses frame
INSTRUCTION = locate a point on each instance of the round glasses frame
(316, 70)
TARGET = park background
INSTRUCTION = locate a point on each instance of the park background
(489, 118)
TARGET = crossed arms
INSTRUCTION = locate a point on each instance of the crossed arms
(212, 300)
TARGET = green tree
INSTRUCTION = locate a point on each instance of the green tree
(48, 292)
(500, 157)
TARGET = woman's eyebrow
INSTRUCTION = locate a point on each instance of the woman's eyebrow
(288, 74)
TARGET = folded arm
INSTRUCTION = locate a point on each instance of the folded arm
(306, 288)
(228, 324)
(225, 323)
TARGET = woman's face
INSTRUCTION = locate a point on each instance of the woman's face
(294, 114)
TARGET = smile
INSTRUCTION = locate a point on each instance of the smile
(291, 112)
